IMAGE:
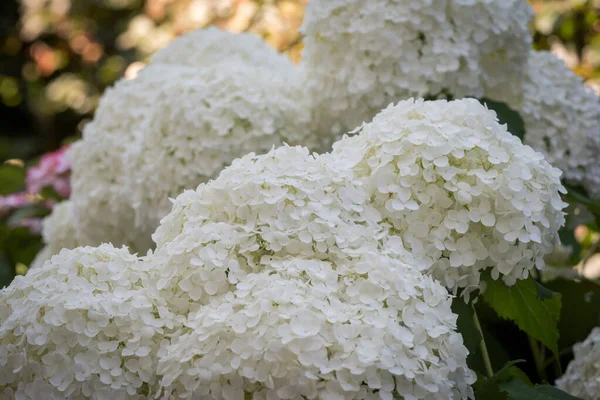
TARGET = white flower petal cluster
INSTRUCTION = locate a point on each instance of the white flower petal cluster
(294, 275)
(88, 324)
(287, 295)
(582, 377)
(562, 119)
(361, 55)
(177, 125)
(459, 193)
(298, 328)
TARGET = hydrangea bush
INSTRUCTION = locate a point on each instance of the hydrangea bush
(405, 263)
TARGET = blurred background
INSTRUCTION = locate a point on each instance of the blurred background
(58, 56)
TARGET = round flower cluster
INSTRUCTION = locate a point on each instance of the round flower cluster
(88, 324)
(360, 56)
(562, 119)
(582, 378)
(177, 125)
(458, 192)
(286, 294)
(286, 202)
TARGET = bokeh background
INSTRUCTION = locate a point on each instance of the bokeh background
(58, 56)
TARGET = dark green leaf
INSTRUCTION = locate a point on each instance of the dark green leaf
(567, 238)
(580, 311)
(507, 115)
(518, 390)
(488, 388)
(465, 325)
(21, 246)
(576, 195)
(12, 179)
(521, 304)
(7, 272)
(49, 193)
(543, 293)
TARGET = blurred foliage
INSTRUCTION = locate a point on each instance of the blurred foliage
(571, 29)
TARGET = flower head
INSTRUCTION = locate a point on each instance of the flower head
(86, 323)
(458, 192)
(361, 55)
(276, 265)
(562, 119)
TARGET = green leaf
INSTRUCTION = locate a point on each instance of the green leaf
(576, 195)
(12, 179)
(507, 115)
(580, 311)
(465, 325)
(20, 246)
(489, 389)
(567, 238)
(543, 293)
(521, 304)
(7, 272)
(518, 390)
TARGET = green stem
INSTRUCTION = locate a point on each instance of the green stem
(484, 351)
(561, 353)
(538, 358)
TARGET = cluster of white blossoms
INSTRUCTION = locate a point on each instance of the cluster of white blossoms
(562, 119)
(206, 99)
(582, 378)
(361, 55)
(458, 192)
(88, 324)
(277, 267)
(295, 275)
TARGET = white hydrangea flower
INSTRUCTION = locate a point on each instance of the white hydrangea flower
(207, 47)
(298, 328)
(176, 126)
(201, 123)
(361, 55)
(562, 119)
(459, 193)
(276, 265)
(582, 377)
(88, 324)
(286, 202)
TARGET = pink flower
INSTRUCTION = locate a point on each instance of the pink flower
(53, 170)
(34, 225)
(14, 201)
